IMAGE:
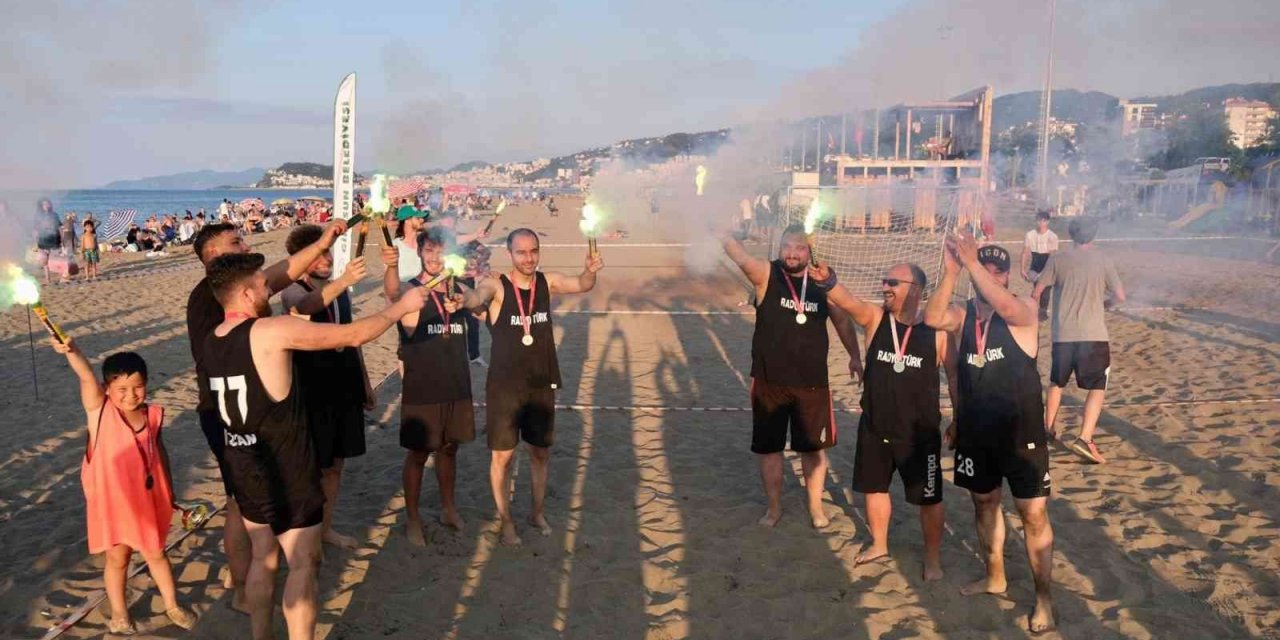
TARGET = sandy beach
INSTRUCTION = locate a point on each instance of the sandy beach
(654, 493)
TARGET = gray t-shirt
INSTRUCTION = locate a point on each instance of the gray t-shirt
(1081, 281)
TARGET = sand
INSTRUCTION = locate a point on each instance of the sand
(654, 507)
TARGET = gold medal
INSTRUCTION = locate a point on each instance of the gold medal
(801, 318)
(527, 340)
(979, 361)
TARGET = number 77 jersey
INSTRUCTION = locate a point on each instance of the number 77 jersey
(250, 416)
(269, 454)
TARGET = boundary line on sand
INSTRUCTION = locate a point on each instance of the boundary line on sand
(660, 312)
(658, 408)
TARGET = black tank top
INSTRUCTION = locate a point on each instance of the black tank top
(784, 352)
(268, 444)
(333, 374)
(1001, 398)
(512, 363)
(435, 368)
(901, 406)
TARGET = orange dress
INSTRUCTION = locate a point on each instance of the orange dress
(120, 509)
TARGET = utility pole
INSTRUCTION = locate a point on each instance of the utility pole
(1046, 108)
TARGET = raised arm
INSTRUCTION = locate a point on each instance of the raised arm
(1017, 312)
(391, 276)
(290, 333)
(479, 298)
(320, 298)
(584, 282)
(287, 271)
(949, 353)
(755, 269)
(939, 313)
(91, 394)
(1025, 260)
(860, 311)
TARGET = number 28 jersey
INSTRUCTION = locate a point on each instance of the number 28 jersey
(268, 444)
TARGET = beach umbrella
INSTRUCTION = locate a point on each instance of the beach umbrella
(281, 202)
(312, 199)
(404, 189)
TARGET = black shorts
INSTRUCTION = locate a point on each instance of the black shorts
(918, 461)
(429, 427)
(337, 431)
(982, 465)
(805, 411)
(284, 496)
(216, 435)
(1090, 361)
(512, 415)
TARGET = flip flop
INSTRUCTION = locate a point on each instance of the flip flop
(1088, 450)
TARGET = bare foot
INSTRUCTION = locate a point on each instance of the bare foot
(932, 571)
(1041, 618)
(413, 531)
(541, 523)
(770, 518)
(452, 520)
(238, 603)
(871, 555)
(509, 537)
(985, 585)
(336, 539)
(819, 518)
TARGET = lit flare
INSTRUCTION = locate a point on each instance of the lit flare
(811, 219)
(454, 265)
(700, 179)
(589, 225)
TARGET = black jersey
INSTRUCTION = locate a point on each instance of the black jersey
(901, 405)
(513, 363)
(783, 351)
(332, 375)
(204, 314)
(268, 452)
(1001, 397)
(436, 368)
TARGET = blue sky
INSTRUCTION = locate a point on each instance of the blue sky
(128, 88)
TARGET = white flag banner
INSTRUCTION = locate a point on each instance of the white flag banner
(344, 162)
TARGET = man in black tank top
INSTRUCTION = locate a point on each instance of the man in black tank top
(436, 415)
(248, 359)
(203, 314)
(523, 371)
(999, 427)
(334, 381)
(899, 428)
(789, 388)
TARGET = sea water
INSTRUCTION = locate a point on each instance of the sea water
(101, 202)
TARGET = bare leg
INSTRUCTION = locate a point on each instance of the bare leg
(446, 476)
(539, 463)
(771, 476)
(261, 579)
(117, 565)
(932, 518)
(331, 483)
(500, 483)
(814, 466)
(162, 575)
(235, 542)
(301, 549)
(1052, 401)
(879, 509)
(412, 479)
(1092, 410)
(990, 523)
(1035, 521)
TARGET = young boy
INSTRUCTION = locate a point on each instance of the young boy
(89, 250)
(126, 481)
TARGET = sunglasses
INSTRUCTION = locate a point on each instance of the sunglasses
(893, 282)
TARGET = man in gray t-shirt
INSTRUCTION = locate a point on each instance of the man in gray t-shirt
(1082, 280)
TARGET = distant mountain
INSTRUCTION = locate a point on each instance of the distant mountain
(297, 175)
(205, 179)
(468, 166)
(1213, 96)
(1086, 107)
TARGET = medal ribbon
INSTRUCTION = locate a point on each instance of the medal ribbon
(980, 334)
(526, 319)
(443, 313)
(146, 457)
(899, 352)
(804, 288)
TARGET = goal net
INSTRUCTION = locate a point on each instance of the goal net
(864, 230)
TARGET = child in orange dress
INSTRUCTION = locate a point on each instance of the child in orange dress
(125, 476)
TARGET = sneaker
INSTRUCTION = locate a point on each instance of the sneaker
(1088, 449)
(478, 361)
